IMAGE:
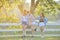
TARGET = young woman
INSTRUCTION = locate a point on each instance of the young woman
(32, 22)
(42, 22)
(24, 20)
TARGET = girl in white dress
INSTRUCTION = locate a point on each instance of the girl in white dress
(32, 22)
(24, 20)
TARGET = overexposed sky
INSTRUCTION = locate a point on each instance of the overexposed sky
(56, 0)
(28, 1)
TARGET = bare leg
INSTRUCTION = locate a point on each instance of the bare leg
(42, 31)
(33, 29)
(24, 30)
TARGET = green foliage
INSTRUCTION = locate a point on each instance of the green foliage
(48, 7)
(9, 4)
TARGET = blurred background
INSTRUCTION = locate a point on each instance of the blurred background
(10, 15)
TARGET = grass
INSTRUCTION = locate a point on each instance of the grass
(30, 38)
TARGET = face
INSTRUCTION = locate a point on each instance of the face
(28, 12)
(41, 15)
(24, 12)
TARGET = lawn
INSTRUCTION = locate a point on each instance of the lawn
(29, 38)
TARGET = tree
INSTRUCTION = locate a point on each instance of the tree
(21, 5)
(6, 7)
(48, 7)
(34, 5)
(9, 4)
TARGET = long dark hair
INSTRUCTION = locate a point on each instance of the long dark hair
(42, 17)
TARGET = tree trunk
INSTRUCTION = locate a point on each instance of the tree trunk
(32, 6)
(37, 2)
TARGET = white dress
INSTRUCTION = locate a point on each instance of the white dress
(24, 20)
(32, 19)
